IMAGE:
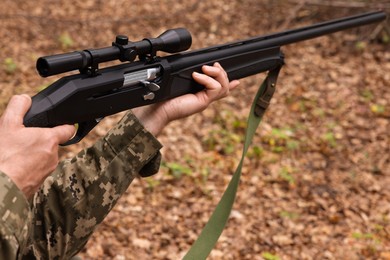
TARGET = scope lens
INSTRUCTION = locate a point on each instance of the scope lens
(42, 67)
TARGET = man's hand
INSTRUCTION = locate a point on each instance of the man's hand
(28, 155)
(217, 86)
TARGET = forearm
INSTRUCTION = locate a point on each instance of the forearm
(152, 117)
(82, 191)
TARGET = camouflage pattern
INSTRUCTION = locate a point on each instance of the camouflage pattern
(83, 190)
(15, 216)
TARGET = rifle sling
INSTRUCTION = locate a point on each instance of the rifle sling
(215, 225)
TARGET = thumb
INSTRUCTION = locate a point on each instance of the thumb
(16, 109)
(63, 133)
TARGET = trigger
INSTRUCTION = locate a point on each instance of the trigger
(82, 130)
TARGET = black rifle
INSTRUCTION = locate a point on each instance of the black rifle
(94, 93)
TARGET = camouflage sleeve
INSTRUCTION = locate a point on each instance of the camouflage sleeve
(15, 215)
(82, 191)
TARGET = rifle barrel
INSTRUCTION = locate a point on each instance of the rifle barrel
(209, 55)
(305, 33)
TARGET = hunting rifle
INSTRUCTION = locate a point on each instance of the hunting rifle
(93, 93)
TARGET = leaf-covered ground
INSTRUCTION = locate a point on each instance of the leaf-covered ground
(316, 181)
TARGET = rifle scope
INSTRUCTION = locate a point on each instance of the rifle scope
(171, 41)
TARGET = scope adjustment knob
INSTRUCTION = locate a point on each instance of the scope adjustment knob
(121, 39)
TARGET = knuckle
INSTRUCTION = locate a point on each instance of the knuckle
(51, 153)
(224, 73)
(220, 71)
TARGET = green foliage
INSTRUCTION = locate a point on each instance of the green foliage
(386, 218)
(358, 235)
(367, 94)
(319, 112)
(205, 172)
(255, 152)
(370, 241)
(288, 214)
(223, 139)
(228, 136)
(301, 104)
(270, 256)
(10, 65)
(330, 139)
(385, 38)
(292, 145)
(281, 134)
(378, 109)
(177, 170)
(151, 182)
(378, 227)
(277, 139)
(286, 174)
(189, 167)
(282, 139)
(360, 45)
(366, 236)
(65, 40)
(228, 120)
(239, 124)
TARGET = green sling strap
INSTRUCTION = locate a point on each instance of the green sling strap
(214, 227)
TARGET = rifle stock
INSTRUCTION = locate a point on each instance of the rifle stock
(94, 93)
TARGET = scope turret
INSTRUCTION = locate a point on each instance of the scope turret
(171, 41)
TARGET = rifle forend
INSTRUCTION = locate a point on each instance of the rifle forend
(94, 93)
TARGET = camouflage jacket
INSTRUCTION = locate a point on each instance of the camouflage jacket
(73, 200)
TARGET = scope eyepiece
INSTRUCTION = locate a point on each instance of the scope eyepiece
(171, 41)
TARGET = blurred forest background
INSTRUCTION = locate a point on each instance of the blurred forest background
(316, 181)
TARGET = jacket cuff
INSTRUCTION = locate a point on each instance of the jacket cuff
(129, 137)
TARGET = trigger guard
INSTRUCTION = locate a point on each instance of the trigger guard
(83, 129)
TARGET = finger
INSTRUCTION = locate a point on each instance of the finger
(207, 81)
(211, 71)
(63, 133)
(16, 109)
(233, 84)
(216, 71)
(221, 76)
(218, 65)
